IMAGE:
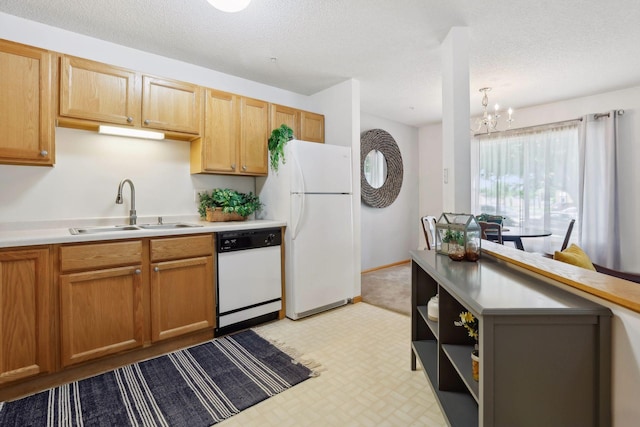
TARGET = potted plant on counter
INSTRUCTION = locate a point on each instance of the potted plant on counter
(277, 141)
(224, 204)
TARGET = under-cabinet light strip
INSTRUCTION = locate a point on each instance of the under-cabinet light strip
(134, 133)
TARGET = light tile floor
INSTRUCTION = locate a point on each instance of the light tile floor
(366, 378)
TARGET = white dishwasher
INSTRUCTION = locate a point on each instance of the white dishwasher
(249, 278)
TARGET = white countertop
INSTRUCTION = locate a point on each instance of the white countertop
(51, 232)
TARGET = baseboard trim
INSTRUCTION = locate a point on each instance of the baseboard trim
(385, 266)
(356, 299)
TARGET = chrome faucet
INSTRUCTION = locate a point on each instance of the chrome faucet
(132, 212)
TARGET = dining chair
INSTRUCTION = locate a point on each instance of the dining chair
(492, 236)
(567, 237)
(429, 227)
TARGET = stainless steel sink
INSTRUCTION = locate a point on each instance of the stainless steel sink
(168, 226)
(112, 228)
(107, 229)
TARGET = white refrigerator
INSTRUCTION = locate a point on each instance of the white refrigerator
(312, 191)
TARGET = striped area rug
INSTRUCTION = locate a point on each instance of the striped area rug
(198, 386)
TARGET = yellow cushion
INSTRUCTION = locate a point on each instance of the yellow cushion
(576, 256)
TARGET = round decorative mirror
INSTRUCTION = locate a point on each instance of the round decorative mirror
(375, 168)
(380, 168)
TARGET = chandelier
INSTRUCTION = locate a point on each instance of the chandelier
(489, 122)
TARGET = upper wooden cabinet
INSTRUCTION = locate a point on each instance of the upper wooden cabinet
(27, 79)
(25, 314)
(311, 127)
(236, 131)
(281, 115)
(92, 93)
(306, 126)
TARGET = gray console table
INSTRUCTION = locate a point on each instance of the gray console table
(545, 354)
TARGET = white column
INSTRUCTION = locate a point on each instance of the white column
(456, 152)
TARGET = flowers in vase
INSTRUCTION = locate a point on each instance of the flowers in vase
(470, 323)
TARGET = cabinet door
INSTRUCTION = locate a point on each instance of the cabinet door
(101, 313)
(171, 105)
(311, 127)
(254, 137)
(182, 298)
(285, 115)
(220, 132)
(25, 314)
(99, 92)
(26, 105)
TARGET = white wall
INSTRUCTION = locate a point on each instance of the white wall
(388, 234)
(430, 178)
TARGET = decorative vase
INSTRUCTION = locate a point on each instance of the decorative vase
(432, 308)
(216, 215)
(456, 251)
(475, 365)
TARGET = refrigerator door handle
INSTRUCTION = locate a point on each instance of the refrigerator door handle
(301, 193)
(300, 216)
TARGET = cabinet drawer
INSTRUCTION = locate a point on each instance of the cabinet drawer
(181, 247)
(100, 255)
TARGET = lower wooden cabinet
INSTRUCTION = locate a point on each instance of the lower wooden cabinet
(101, 308)
(25, 314)
(101, 313)
(182, 297)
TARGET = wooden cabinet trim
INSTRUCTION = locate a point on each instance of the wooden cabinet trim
(100, 255)
(181, 247)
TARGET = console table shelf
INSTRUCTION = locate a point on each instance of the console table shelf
(545, 354)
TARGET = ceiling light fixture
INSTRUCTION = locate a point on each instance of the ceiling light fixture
(229, 5)
(488, 121)
(133, 133)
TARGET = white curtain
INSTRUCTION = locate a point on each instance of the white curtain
(529, 176)
(598, 227)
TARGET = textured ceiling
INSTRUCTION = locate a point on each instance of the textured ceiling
(529, 52)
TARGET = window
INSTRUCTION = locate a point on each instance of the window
(530, 176)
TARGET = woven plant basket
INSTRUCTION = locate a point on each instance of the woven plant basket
(216, 215)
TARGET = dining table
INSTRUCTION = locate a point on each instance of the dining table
(515, 234)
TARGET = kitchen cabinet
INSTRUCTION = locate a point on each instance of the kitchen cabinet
(285, 115)
(545, 354)
(182, 284)
(92, 93)
(311, 127)
(306, 126)
(236, 131)
(101, 300)
(25, 314)
(26, 105)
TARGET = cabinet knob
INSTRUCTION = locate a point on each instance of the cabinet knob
(156, 269)
(138, 271)
(129, 119)
(44, 153)
(146, 122)
(244, 167)
(233, 166)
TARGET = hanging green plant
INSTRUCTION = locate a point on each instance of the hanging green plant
(278, 139)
